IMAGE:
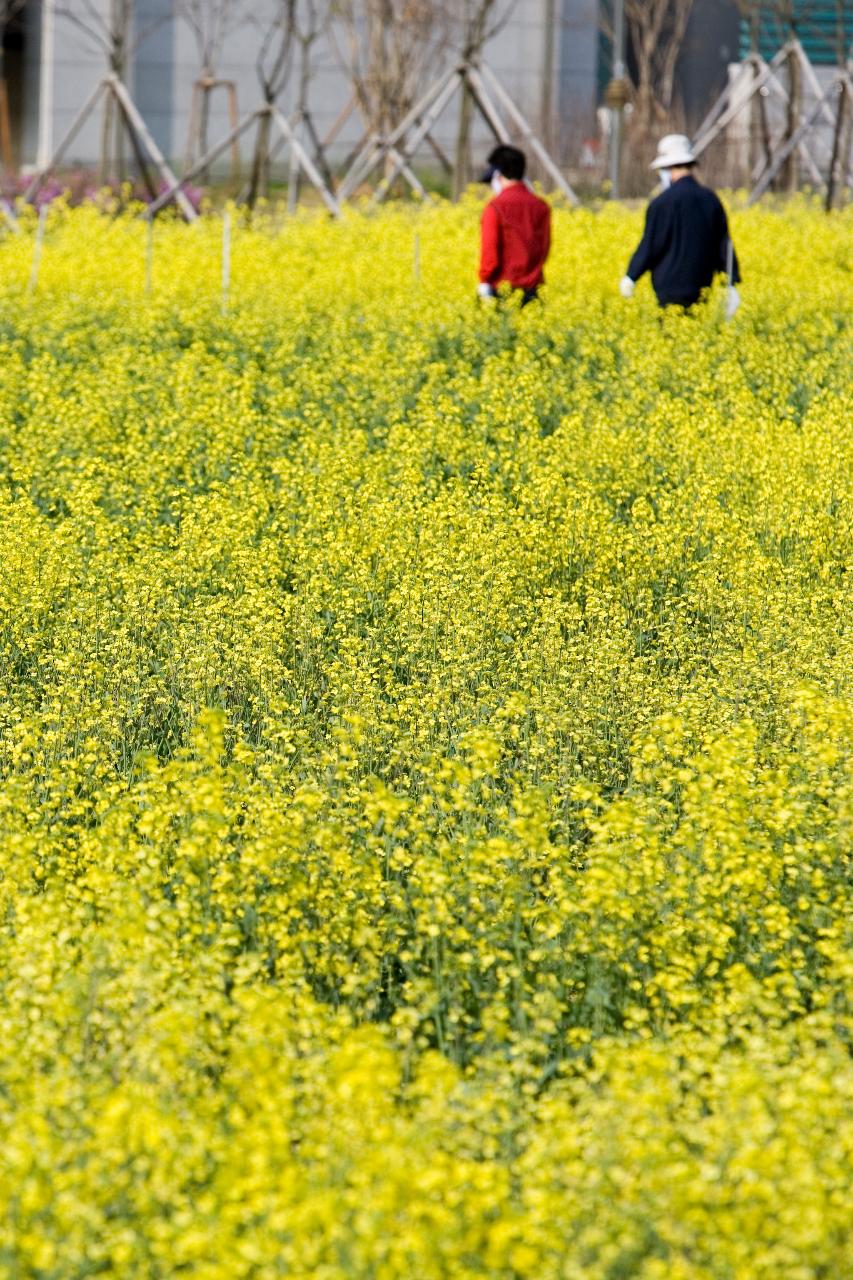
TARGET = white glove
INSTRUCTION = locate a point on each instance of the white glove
(486, 291)
(627, 287)
(732, 301)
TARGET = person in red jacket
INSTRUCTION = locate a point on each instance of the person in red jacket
(516, 229)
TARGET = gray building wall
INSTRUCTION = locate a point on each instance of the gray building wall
(153, 80)
(166, 65)
(710, 45)
(27, 141)
(577, 97)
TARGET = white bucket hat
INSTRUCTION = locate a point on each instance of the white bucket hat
(673, 150)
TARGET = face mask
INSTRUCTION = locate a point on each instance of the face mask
(665, 179)
(497, 185)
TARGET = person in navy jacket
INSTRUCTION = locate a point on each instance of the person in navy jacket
(686, 241)
(516, 229)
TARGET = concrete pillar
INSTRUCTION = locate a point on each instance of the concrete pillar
(577, 80)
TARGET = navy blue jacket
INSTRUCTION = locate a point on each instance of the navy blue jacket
(685, 243)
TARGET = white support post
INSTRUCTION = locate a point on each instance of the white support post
(226, 259)
(400, 158)
(213, 154)
(487, 108)
(376, 148)
(9, 214)
(362, 165)
(37, 248)
(703, 141)
(311, 171)
(149, 257)
(793, 142)
(488, 76)
(408, 173)
(814, 83)
(46, 74)
(747, 67)
(775, 85)
(292, 174)
(136, 122)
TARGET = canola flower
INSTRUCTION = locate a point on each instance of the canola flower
(426, 742)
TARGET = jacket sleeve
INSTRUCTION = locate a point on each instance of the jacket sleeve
(649, 250)
(490, 246)
(723, 257)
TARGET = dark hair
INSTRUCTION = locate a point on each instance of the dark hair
(509, 161)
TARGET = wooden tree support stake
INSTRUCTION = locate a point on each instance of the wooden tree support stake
(202, 91)
(398, 149)
(267, 112)
(137, 130)
(9, 214)
(725, 110)
(796, 137)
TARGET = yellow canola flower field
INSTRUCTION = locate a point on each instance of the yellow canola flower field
(426, 738)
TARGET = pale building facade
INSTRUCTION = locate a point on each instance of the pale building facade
(547, 56)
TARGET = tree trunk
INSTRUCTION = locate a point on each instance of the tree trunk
(118, 66)
(835, 163)
(461, 169)
(294, 173)
(119, 167)
(766, 139)
(259, 182)
(846, 154)
(548, 96)
(204, 121)
(319, 150)
(644, 108)
(754, 124)
(791, 171)
(106, 137)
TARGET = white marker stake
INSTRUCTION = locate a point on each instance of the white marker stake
(34, 270)
(149, 257)
(226, 258)
(9, 214)
(730, 266)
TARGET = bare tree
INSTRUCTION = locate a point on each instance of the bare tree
(9, 10)
(656, 31)
(113, 32)
(273, 64)
(473, 23)
(287, 47)
(759, 127)
(211, 22)
(311, 20)
(790, 20)
(390, 48)
(785, 20)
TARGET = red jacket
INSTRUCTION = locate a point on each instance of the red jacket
(516, 237)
